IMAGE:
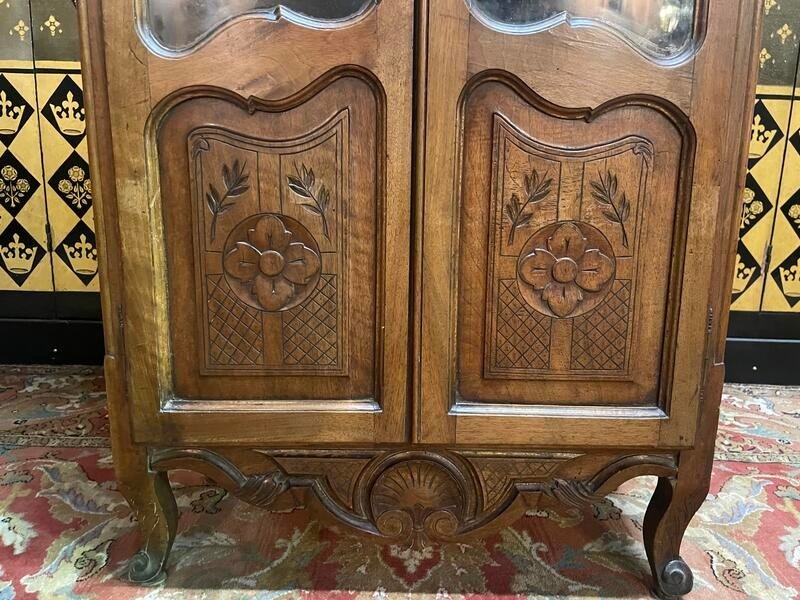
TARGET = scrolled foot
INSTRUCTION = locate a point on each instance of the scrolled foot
(145, 569)
(675, 579)
(154, 506)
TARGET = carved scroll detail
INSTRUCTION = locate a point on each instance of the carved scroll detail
(414, 495)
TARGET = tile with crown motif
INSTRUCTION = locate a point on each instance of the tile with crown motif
(787, 276)
(748, 271)
(765, 134)
(65, 111)
(79, 252)
(72, 183)
(791, 210)
(19, 252)
(14, 111)
(17, 185)
(756, 205)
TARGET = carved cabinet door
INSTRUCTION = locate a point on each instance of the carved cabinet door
(575, 185)
(264, 223)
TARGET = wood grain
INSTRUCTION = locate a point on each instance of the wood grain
(414, 272)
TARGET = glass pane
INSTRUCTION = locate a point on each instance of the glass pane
(180, 24)
(660, 28)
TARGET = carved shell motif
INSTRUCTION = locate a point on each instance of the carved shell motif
(417, 498)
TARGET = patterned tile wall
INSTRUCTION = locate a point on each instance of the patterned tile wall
(24, 256)
(767, 273)
(47, 240)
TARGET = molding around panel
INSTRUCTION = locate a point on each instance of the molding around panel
(683, 126)
(175, 404)
(252, 105)
(542, 410)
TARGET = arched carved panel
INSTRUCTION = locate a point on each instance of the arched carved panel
(273, 210)
(272, 224)
(579, 217)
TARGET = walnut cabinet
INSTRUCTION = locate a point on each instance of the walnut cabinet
(418, 265)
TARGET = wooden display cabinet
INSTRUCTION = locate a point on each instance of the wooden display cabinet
(420, 264)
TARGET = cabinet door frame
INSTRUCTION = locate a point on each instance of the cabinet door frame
(459, 49)
(130, 91)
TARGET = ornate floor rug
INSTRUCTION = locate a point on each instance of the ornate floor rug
(65, 531)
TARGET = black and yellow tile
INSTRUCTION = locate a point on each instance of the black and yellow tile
(24, 257)
(64, 149)
(782, 285)
(761, 234)
(69, 185)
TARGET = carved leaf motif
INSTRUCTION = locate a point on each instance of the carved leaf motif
(536, 189)
(617, 210)
(236, 182)
(303, 184)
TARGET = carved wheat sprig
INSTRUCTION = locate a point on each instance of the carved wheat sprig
(304, 183)
(617, 209)
(236, 183)
(536, 189)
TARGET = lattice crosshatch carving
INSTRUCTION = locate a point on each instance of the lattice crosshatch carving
(565, 227)
(310, 331)
(270, 229)
(600, 338)
(522, 335)
(235, 330)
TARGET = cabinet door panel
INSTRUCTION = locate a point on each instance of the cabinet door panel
(576, 183)
(576, 249)
(280, 272)
(254, 222)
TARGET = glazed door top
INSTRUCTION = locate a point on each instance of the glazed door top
(664, 30)
(177, 26)
(578, 173)
(265, 269)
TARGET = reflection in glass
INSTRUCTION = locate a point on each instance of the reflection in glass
(178, 25)
(660, 28)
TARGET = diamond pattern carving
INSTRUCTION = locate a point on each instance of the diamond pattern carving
(599, 338)
(498, 473)
(523, 333)
(341, 473)
(309, 331)
(235, 331)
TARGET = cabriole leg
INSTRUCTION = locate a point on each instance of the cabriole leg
(153, 503)
(677, 499)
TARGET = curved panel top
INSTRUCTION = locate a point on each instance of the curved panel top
(179, 26)
(662, 30)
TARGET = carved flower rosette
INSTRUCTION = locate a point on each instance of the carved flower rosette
(272, 262)
(566, 269)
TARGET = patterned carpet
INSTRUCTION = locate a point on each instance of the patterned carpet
(65, 532)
